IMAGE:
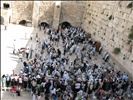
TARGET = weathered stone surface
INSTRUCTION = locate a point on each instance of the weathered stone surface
(72, 12)
(117, 29)
(92, 16)
(5, 15)
(46, 11)
(21, 10)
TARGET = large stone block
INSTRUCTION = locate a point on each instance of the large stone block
(119, 29)
(21, 10)
(130, 18)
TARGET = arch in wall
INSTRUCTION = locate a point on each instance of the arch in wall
(65, 24)
(22, 22)
(1, 20)
(44, 24)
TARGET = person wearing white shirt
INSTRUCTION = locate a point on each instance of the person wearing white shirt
(20, 57)
(20, 81)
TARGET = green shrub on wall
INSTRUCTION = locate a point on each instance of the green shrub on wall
(130, 36)
(111, 17)
(130, 5)
(117, 50)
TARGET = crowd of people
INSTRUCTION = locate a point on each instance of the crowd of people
(60, 68)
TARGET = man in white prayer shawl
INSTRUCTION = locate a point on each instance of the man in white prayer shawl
(66, 76)
(47, 74)
(91, 78)
(78, 72)
(77, 49)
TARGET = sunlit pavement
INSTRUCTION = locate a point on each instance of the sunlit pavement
(8, 60)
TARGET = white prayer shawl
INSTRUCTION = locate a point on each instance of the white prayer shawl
(78, 72)
(100, 48)
(47, 74)
(107, 55)
(104, 54)
(80, 92)
(66, 76)
(77, 49)
(53, 91)
(38, 76)
(94, 50)
(90, 78)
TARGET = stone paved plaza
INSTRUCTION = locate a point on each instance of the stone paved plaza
(9, 61)
(18, 32)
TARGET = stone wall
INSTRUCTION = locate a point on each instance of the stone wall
(108, 22)
(21, 10)
(72, 12)
(112, 32)
(5, 13)
(56, 17)
(46, 11)
(5, 16)
(35, 15)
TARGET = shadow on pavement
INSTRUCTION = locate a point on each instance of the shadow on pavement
(9, 47)
(13, 57)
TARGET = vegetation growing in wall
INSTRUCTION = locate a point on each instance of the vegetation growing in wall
(89, 22)
(129, 41)
(130, 5)
(130, 36)
(58, 6)
(111, 17)
(117, 50)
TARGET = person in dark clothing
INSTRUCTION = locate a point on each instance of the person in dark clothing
(85, 87)
(18, 92)
(84, 67)
(59, 52)
(38, 93)
(12, 82)
(47, 85)
(8, 80)
(29, 82)
(25, 64)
